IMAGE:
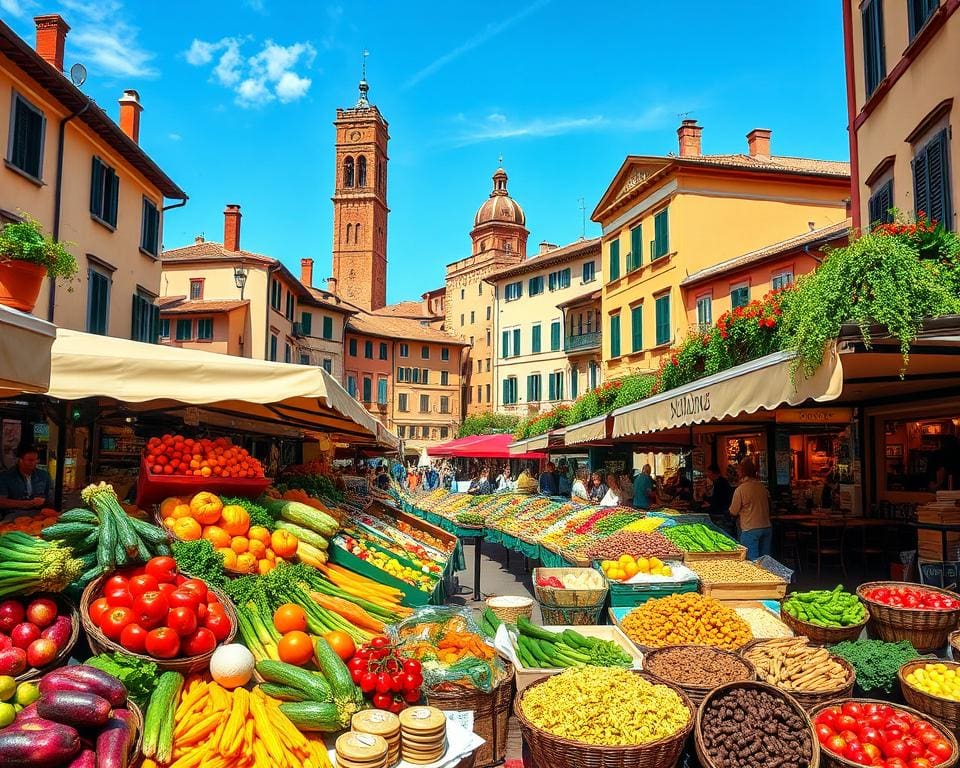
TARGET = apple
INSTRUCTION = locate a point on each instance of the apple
(24, 633)
(13, 661)
(41, 652)
(42, 612)
(5, 642)
(11, 614)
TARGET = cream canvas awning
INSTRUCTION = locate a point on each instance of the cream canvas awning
(153, 376)
(765, 384)
(586, 431)
(25, 343)
(538, 443)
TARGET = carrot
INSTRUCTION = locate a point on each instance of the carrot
(333, 569)
(350, 611)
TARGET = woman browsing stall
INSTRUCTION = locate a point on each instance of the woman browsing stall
(751, 507)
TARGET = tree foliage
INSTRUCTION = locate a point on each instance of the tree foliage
(488, 424)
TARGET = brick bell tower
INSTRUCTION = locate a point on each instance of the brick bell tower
(360, 204)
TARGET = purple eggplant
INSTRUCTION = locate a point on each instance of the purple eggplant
(113, 743)
(44, 746)
(82, 710)
(86, 759)
(85, 679)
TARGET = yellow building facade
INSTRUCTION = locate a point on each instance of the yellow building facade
(664, 218)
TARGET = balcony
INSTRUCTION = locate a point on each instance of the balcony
(582, 342)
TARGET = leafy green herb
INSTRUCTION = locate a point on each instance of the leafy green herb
(139, 676)
(876, 662)
(200, 560)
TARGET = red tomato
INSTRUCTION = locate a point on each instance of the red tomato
(163, 643)
(412, 683)
(870, 735)
(851, 708)
(212, 598)
(197, 586)
(874, 721)
(119, 597)
(927, 736)
(151, 609)
(163, 569)
(920, 762)
(114, 620)
(846, 723)
(413, 666)
(915, 746)
(396, 706)
(97, 608)
(411, 697)
(134, 638)
(182, 620)
(201, 641)
(180, 598)
(167, 589)
(368, 682)
(382, 700)
(379, 642)
(384, 683)
(894, 762)
(941, 748)
(837, 744)
(824, 732)
(217, 622)
(872, 751)
(896, 748)
(115, 582)
(143, 583)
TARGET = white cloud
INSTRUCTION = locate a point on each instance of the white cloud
(13, 7)
(275, 72)
(104, 41)
(174, 136)
(94, 11)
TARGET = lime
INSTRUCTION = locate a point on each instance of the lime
(27, 693)
(18, 708)
(7, 714)
(8, 687)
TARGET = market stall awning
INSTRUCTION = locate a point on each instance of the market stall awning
(446, 449)
(588, 431)
(492, 447)
(157, 377)
(551, 439)
(25, 343)
(762, 384)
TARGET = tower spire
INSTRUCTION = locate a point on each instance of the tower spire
(362, 102)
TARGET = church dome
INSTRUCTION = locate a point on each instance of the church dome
(500, 207)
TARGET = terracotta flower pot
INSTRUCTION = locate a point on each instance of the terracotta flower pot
(20, 283)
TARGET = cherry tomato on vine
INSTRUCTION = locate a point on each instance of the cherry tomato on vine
(368, 682)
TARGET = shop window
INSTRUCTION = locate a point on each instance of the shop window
(104, 193)
(922, 456)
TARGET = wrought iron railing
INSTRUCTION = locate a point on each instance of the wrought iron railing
(582, 341)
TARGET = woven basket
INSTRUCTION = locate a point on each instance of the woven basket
(100, 643)
(510, 613)
(830, 760)
(954, 639)
(823, 635)
(707, 762)
(944, 710)
(137, 742)
(64, 607)
(491, 716)
(549, 751)
(925, 629)
(566, 607)
(809, 699)
(697, 693)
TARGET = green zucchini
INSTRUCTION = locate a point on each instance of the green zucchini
(67, 531)
(165, 737)
(312, 685)
(107, 543)
(282, 692)
(336, 672)
(313, 715)
(119, 553)
(79, 516)
(304, 534)
(160, 710)
(302, 514)
(526, 628)
(151, 534)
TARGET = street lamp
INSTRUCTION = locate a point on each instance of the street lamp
(240, 278)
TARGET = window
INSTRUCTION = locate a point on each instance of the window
(635, 258)
(556, 385)
(413, 431)
(425, 376)
(559, 280)
(488, 364)
(782, 280)
(306, 323)
(535, 339)
(290, 307)
(408, 373)
(614, 260)
(739, 296)
(287, 353)
(931, 181)
(574, 383)
(400, 374)
(304, 358)
(165, 329)
(479, 289)
(463, 319)
(535, 285)
(368, 350)
(874, 56)
(424, 403)
(415, 377)
(534, 388)
(663, 319)
(98, 302)
(328, 365)
(348, 172)
(404, 350)
(26, 137)
(513, 291)
(424, 352)
(473, 317)
(104, 193)
(660, 245)
(352, 386)
(205, 329)
(488, 311)
(273, 347)
(488, 393)
(444, 433)
(401, 431)
(361, 171)
(479, 392)
(444, 353)
(444, 378)
(881, 201)
(444, 404)
(196, 288)
(462, 294)
(555, 336)
(367, 389)
(516, 341)
(150, 228)
(146, 320)
(352, 347)
(275, 293)
(615, 335)
(402, 402)
(185, 330)
(589, 271)
(479, 366)
(488, 336)
(636, 328)
(919, 12)
(509, 391)
(383, 350)
(705, 312)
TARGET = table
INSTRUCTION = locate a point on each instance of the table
(944, 530)
(477, 541)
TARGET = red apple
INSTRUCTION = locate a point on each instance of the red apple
(5, 642)
(13, 661)
(11, 614)
(42, 612)
(41, 652)
(24, 633)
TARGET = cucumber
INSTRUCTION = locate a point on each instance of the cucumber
(312, 685)
(336, 672)
(165, 737)
(90, 541)
(88, 559)
(163, 702)
(526, 628)
(67, 531)
(313, 715)
(304, 534)
(119, 553)
(150, 534)
(107, 543)
(282, 692)
(79, 516)
(125, 531)
(302, 514)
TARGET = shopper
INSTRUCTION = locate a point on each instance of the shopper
(549, 485)
(643, 493)
(481, 484)
(565, 483)
(25, 488)
(718, 500)
(598, 488)
(505, 481)
(751, 506)
(578, 491)
(612, 497)
(625, 483)
(383, 479)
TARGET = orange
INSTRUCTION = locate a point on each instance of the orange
(342, 644)
(257, 549)
(168, 522)
(235, 520)
(206, 507)
(283, 543)
(229, 558)
(167, 506)
(246, 563)
(269, 555)
(180, 511)
(240, 544)
(295, 648)
(264, 567)
(187, 529)
(216, 536)
(289, 617)
(259, 533)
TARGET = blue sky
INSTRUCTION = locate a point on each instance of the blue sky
(239, 99)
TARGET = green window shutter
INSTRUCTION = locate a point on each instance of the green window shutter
(615, 336)
(614, 259)
(552, 387)
(328, 327)
(135, 329)
(574, 383)
(306, 321)
(555, 336)
(516, 342)
(663, 319)
(505, 345)
(506, 391)
(661, 234)
(185, 333)
(96, 188)
(367, 389)
(535, 339)
(636, 247)
(636, 328)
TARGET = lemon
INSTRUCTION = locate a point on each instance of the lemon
(27, 693)
(8, 687)
(7, 714)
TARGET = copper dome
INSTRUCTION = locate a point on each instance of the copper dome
(500, 207)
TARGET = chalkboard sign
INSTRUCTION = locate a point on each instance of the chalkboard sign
(939, 574)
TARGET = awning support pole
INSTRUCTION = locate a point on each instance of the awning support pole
(61, 455)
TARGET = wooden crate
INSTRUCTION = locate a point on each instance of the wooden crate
(757, 604)
(740, 553)
(930, 545)
(754, 590)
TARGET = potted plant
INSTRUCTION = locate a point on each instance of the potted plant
(27, 255)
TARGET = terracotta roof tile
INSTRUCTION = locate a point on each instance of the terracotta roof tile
(550, 258)
(210, 249)
(414, 309)
(329, 301)
(399, 328)
(179, 305)
(774, 163)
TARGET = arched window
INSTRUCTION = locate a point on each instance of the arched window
(362, 171)
(348, 172)
(349, 232)
(356, 233)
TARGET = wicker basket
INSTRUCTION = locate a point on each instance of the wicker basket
(697, 693)
(830, 760)
(100, 643)
(954, 639)
(137, 742)
(946, 711)
(707, 762)
(549, 751)
(510, 613)
(926, 630)
(491, 715)
(566, 607)
(64, 607)
(823, 635)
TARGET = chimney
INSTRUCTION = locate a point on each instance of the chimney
(546, 247)
(51, 38)
(306, 272)
(198, 239)
(332, 285)
(231, 227)
(758, 140)
(130, 109)
(689, 135)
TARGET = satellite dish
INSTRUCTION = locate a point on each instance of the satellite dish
(78, 74)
